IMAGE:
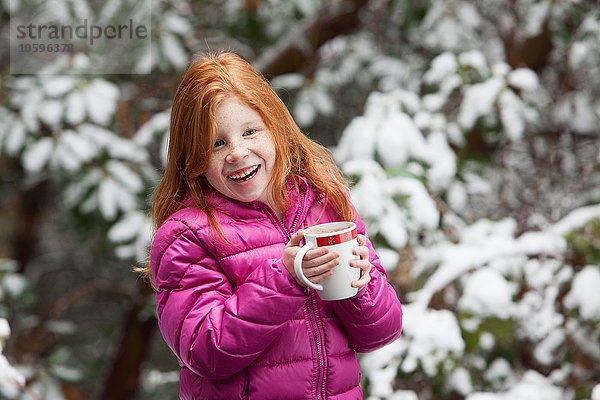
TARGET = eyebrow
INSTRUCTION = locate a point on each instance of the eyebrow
(253, 123)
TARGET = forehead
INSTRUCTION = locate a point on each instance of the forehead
(234, 112)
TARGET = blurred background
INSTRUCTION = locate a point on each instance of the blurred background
(468, 130)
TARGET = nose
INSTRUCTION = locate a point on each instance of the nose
(237, 152)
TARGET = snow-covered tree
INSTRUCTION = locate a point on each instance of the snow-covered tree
(469, 133)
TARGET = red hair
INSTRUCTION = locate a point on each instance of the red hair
(207, 82)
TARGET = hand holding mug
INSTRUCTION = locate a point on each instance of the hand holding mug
(362, 263)
(317, 264)
(314, 260)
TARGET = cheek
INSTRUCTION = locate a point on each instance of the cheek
(213, 171)
(268, 151)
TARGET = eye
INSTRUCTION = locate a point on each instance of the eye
(219, 143)
(249, 132)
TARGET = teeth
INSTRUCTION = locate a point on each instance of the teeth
(245, 174)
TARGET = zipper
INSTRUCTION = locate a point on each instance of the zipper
(293, 227)
(320, 352)
(246, 388)
(287, 233)
(310, 307)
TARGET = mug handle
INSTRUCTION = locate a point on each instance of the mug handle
(298, 267)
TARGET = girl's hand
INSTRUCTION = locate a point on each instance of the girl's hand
(317, 264)
(363, 263)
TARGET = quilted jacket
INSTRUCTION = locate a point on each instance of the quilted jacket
(240, 325)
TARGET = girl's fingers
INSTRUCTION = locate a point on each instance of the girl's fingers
(315, 253)
(322, 277)
(296, 239)
(361, 239)
(321, 268)
(365, 277)
(362, 252)
(362, 282)
(319, 257)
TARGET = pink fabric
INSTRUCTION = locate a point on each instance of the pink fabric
(239, 324)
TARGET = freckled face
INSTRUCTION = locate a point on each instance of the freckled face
(243, 154)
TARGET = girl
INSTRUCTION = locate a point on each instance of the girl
(240, 182)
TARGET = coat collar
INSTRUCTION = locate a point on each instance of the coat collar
(298, 189)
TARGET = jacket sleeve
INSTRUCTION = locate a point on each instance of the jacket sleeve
(214, 329)
(372, 318)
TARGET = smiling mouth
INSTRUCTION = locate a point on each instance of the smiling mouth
(245, 174)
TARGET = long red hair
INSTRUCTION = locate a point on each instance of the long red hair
(207, 82)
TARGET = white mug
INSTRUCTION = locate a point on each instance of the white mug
(341, 238)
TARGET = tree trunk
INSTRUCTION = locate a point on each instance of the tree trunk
(123, 379)
(298, 50)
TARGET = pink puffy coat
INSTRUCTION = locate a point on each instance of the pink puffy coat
(240, 325)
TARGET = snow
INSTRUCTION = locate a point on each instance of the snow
(288, 81)
(479, 100)
(596, 392)
(304, 112)
(154, 378)
(532, 386)
(422, 208)
(397, 139)
(392, 225)
(487, 341)
(176, 23)
(575, 220)
(442, 160)
(578, 334)
(173, 51)
(541, 273)
(577, 111)
(14, 285)
(15, 138)
(108, 198)
(67, 373)
(321, 100)
(75, 108)
(524, 79)
(434, 337)
(11, 380)
(511, 115)
(457, 196)
(538, 315)
(117, 146)
(545, 351)
(403, 395)
(536, 17)
(77, 146)
(113, 197)
(132, 232)
(100, 99)
(36, 156)
(58, 86)
(498, 372)
(578, 53)
(4, 331)
(368, 194)
(460, 380)
(389, 258)
(487, 294)
(442, 66)
(585, 293)
(124, 175)
(473, 59)
(357, 142)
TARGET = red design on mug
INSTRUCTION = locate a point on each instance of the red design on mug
(336, 239)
